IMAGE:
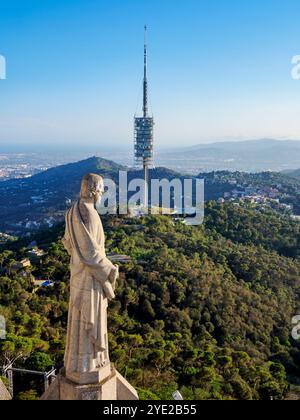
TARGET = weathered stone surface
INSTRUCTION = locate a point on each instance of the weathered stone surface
(105, 390)
(52, 393)
(4, 394)
(113, 388)
(93, 377)
(125, 391)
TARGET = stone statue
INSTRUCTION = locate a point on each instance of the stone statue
(93, 280)
(88, 373)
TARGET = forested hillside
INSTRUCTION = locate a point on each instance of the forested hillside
(204, 309)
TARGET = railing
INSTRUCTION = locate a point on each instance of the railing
(8, 371)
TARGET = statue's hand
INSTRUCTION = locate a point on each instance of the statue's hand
(113, 276)
(110, 285)
(108, 290)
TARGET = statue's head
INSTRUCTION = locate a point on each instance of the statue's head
(92, 187)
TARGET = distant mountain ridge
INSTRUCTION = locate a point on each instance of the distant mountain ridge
(246, 156)
(293, 173)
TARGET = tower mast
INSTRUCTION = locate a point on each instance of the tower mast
(145, 113)
(145, 95)
(143, 127)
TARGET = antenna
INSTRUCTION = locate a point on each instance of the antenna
(145, 96)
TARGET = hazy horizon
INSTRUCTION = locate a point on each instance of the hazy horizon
(122, 148)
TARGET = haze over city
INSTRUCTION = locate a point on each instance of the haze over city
(217, 71)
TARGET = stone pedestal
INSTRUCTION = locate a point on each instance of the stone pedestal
(113, 387)
(4, 394)
(94, 377)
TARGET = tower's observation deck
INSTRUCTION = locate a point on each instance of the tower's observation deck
(143, 140)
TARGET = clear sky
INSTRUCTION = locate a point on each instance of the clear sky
(218, 69)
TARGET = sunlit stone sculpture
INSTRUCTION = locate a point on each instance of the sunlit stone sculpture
(93, 279)
(88, 373)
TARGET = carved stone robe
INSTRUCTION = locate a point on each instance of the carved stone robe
(87, 341)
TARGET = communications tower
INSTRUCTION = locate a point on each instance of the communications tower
(143, 131)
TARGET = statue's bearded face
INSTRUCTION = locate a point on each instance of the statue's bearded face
(92, 188)
(97, 193)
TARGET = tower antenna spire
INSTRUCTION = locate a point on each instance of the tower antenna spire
(145, 93)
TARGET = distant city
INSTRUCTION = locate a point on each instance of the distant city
(24, 165)
(245, 156)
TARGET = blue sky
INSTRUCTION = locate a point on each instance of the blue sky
(218, 69)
